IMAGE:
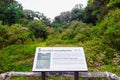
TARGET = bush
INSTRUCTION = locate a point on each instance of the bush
(13, 35)
(109, 28)
(3, 36)
(38, 28)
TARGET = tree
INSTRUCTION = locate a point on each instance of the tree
(114, 3)
(10, 11)
(77, 12)
(95, 11)
(29, 16)
(64, 17)
(32, 15)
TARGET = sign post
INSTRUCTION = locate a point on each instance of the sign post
(67, 59)
(43, 76)
(76, 75)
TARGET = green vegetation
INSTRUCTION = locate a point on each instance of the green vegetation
(96, 28)
(10, 11)
(17, 57)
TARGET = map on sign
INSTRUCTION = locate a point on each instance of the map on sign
(59, 59)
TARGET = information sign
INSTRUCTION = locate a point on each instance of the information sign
(59, 59)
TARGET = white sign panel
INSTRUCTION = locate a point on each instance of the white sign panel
(59, 59)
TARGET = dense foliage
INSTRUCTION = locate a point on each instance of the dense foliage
(38, 29)
(10, 11)
(96, 28)
(13, 35)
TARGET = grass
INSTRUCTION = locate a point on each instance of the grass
(20, 58)
(17, 57)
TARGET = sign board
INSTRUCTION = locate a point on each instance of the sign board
(59, 59)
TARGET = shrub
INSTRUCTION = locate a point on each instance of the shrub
(109, 28)
(13, 35)
(38, 28)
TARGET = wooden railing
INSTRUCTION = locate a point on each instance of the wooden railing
(107, 75)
